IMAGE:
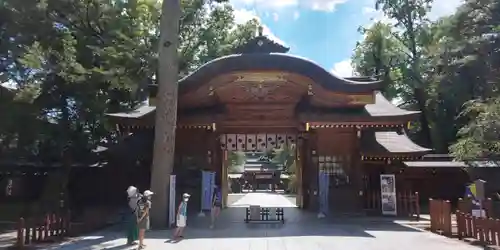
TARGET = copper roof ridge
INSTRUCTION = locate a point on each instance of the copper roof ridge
(275, 61)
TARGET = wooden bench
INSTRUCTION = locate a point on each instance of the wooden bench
(264, 214)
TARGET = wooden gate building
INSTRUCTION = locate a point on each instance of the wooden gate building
(261, 97)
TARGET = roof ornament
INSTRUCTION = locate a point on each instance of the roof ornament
(261, 44)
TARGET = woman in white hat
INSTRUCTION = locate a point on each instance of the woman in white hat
(144, 205)
(181, 216)
(132, 231)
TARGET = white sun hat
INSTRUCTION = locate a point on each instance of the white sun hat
(148, 193)
(131, 191)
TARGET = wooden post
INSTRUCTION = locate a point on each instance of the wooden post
(46, 224)
(460, 225)
(470, 230)
(32, 227)
(446, 217)
(488, 208)
(496, 234)
(21, 229)
(68, 223)
(433, 214)
(480, 229)
(417, 205)
(298, 172)
(223, 175)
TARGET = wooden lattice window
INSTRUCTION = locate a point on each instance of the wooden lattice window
(335, 167)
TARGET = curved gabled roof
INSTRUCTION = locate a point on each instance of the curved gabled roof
(383, 107)
(384, 142)
(275, 61)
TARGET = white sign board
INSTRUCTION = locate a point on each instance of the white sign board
(480, 213)
(171, 202)
(388, 194)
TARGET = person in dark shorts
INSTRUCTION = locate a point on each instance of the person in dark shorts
(143, 206)
(216, 205)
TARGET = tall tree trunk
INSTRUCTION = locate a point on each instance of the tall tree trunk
(166, 111)
(420, 97)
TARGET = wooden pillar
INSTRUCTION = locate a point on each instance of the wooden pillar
(357, 171)
(299, 173)
(224, 182)
(313, 171)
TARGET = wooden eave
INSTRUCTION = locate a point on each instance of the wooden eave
(381, 113)
(390, 145)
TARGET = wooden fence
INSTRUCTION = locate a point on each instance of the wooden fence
(465, 206)
(484, 231)
(55, 227)
(50, 228)
(440, 212)
(407, 204)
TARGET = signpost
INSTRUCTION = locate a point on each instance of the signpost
(171, 203)
(480, 195)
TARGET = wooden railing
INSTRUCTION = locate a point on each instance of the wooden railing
(50, 228)
(407, 204)
(465, 206)
(55, 227)
(440, 212)
(484, 230)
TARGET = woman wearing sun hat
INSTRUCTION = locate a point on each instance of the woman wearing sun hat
(181, 216)
(143, 206)
(132, 231)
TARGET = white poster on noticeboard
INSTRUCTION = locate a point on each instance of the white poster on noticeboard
(388, 194)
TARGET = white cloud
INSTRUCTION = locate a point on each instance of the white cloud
(442, 8)
(319, 5)
(343, 68)
(243, 15)
(368, 10)
(296, 15)
(439, 9)
(276, 17)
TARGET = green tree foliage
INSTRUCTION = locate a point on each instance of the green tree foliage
(453, 60)
(285, 156)
(74, 61)
(236, 161)
(379, 54)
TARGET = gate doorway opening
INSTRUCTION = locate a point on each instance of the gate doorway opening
(261, 163)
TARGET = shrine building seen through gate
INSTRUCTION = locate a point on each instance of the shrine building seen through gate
(261, 99)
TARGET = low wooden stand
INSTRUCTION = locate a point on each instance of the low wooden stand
(264, 214)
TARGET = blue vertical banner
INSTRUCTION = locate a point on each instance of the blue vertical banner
(326, 183)
(207, 184)
(323, 182)
(210, 193)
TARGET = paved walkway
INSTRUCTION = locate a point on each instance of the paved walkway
(302, 231)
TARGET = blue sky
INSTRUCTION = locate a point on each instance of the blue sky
(324, 31)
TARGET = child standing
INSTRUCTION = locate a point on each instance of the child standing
(181, 216)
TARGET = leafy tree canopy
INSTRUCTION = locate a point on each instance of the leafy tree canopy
(450, 65)
(74, 61)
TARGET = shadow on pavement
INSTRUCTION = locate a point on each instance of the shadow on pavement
(230, 224)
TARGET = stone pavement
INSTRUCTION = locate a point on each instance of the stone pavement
(302, 231)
